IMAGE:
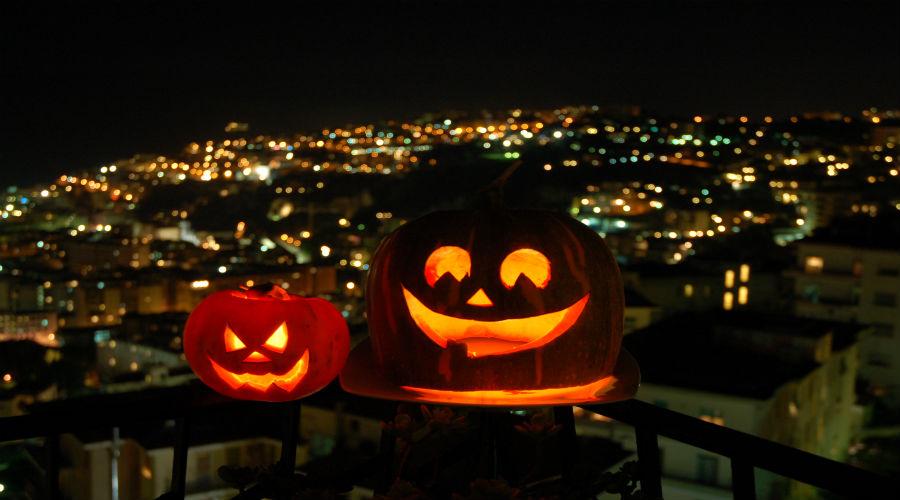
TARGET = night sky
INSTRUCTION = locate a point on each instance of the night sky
(83, 87)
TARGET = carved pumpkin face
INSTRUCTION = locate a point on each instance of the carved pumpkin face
(265, 345)
(495, 336)
(492, 305)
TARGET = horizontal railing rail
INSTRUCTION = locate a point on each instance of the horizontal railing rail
(194, 402)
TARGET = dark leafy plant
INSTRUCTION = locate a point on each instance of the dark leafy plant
(489, 489)
(436, 454)
(624, 482)
(402, 490)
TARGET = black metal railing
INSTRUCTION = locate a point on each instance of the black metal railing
(195, 403)
(746, 452)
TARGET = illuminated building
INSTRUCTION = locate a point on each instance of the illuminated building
(783, 378)
(852, 273)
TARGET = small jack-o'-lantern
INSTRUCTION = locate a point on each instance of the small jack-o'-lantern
(265, 344)
(494, 307)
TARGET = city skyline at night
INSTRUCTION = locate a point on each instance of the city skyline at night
(126, 80)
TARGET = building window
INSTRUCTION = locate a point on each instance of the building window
(743, 295)
(688, 290)
(857, 268)
(712, 416)
(727, 301)
(811, 293)
(883, 330)
(814, 264)
(256, 454)
(885, 299)
(745, 273)
(729, 278)
(233, 455)
(879, 359)
(707, 468)
(203, 478)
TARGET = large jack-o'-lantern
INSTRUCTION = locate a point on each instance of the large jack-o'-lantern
(265, 344)
(494, 307)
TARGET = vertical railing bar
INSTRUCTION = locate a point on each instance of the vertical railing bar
(290, 438)
(649, 468)
(489, 460)
(563, 416)
(494, 439)
(743, 482)
(179, 461)
(114, 454)
(386, 453)
(52, 444)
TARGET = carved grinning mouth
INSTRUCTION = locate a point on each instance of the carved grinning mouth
(286, 381)
(491, 338)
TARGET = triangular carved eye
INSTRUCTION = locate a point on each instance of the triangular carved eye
(232, 342)
(278, 340)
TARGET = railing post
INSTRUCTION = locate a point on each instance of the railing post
(114, 453)
(562, 415)
(52, 444)
(489, 460)
(386, 451)
(179, 460)
(743, 482)
(290, 438)
(649, 468)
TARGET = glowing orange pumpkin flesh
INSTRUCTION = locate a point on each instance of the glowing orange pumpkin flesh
(491, 338)
(522, 397)
(480, 299)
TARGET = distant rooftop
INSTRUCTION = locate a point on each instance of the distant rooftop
(706, 351)
(260, 420)
(633, 298)
(882, 232)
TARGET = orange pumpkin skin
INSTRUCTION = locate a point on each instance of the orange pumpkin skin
(287, 346)
(456, 302)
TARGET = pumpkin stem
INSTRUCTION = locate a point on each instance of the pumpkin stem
(494, 190)
(268, 289)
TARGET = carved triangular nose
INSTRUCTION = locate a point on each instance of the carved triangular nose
(480, 299)
(256, 357)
